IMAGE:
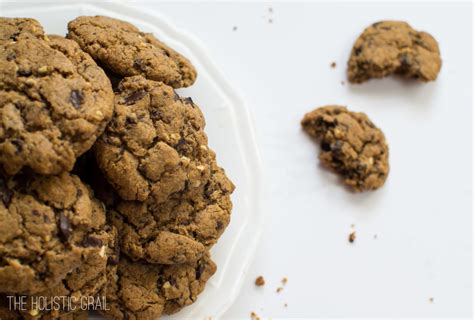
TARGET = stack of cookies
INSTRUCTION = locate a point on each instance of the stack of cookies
(108, 186)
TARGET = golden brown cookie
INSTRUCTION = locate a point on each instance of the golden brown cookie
(158, 139)
(138, 290)
(14, 29)
(49, 226)
(394, 47)
(54, 103)
(351, 145)
(121, 47)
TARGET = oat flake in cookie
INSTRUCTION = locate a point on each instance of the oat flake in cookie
(54, 103)
(351, 145)
(125, 50)
(49, 226)
(394, 47)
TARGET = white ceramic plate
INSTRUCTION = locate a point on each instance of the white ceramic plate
(230, 132)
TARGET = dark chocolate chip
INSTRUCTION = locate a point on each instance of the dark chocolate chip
(64, 225)
(199, 271)
(357, 51)
(325, 146)
(91, 242)
(5, 193)
(24, 73)
(138, 64)
(219, 225)
(35, 213)
(181, 142)
(129, 121)
(134, 97)
(376, 24)
(76, 98)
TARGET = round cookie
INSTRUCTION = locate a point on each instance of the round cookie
(351, 145)
(48, 226)
(137, 290)
(184, 196)
(394, 47)
(125, 50)
(14, 29)
(54, 103)
(157, 138)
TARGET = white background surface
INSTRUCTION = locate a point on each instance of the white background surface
(422, 217)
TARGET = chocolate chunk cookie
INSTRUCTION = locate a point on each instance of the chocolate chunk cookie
(54, 103)
(125, 50)
(394, 47)
(14, 29)
(351, 145)
(138, 290)
(48, 227)
(184, 196)
(157, 138)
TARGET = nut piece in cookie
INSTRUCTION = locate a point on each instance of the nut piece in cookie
(14, 29)
(49, 227)
(54, 103)
(125, 50)
(394, 47)
(138, 290)
(351, 145)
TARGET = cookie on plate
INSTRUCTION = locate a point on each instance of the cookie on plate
(49, 226)
(14, 29)
(54, 103)
(137, 290)
(351, 145)
(179, 196)
(121, 47)
(394, 47)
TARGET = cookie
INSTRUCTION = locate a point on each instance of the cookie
(14, 29)
(175, 195)
(351, 145)
(394, 47)
(55, 101)
(137, 290)
(121, 47)
(48, 227)
(84, 283)
(157, 138)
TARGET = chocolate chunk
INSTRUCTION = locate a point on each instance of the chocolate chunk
(134, 97)
(199, 270)
(188, 100)
(76, 98)
(18, 145)
(91, 242)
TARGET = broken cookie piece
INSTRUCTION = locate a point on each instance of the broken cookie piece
(394, 47)
(351, 145)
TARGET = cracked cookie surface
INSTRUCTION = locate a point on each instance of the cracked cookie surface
(351, 145)
(158, 139)
(125, 50)
(394, 47)
(137, 290)
(13, 29)
(55, 101)
(49, 226)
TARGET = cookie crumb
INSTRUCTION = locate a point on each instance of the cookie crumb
(270, 9)
(343, 83)
(333, 64)
(270, 20)
(431, 300)
(254, 316)
(284, 281)
(352, 237)
(286, 305)
(375, 236)
(234, 28)
(260, 281)
(279, 289)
